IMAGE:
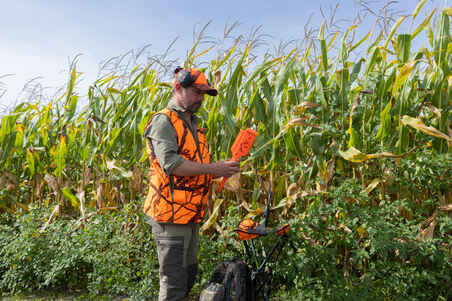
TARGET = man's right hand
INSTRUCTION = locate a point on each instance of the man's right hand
(225, 168)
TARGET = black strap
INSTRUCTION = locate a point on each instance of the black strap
(184, 122)
(191, 189)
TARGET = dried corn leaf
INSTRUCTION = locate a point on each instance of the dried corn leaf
(447, 207)
(104, 209)
(428, 232)
(100, 195)
(354, 155)
(56, 212)
(217, 77)
(213, 217)
(346, 229)
(291, 190)
(252, 212)
(220, 230)
(86, 175)
(52, 182)
(419, 125)
(434, 109)
(401, 78)
(111, 165)
(81, 196)
(306, 104)
(371, 186)
(233, 182)
(429, 224)
(8, 178)
(299, 121)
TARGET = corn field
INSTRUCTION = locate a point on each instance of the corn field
(320, 116)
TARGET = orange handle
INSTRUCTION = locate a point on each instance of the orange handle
(222, 184)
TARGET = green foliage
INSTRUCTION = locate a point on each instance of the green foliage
(111, 254)
(361, 252)
(425, 173)
(345, 249)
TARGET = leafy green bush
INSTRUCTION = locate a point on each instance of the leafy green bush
(349, 246)
(350, 250)
(107, 254)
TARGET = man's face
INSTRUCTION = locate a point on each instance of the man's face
(192, 98)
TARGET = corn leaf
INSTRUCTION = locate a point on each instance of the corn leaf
(332, 40)
(19, 142)
(354, 155)
(323, 47)
(393, 30)
(71, 107)
(213, 216)
(361, 41)
(31, 162)
(372, 185)
(111, 165)
(418, 8)
(447, 11)
(430, 34)
(105, 80)
(385, 123)
(423, 25)
(59, 157)
(113, 90)
(419, 125)
(442, 40)
(67, 193)
(401, 78)
(403, 47)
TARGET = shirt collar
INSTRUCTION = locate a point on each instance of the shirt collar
(172, 105)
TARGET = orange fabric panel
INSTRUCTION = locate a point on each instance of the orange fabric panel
(190, 193)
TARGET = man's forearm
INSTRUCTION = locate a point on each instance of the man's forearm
(216, 169)
(190, 168)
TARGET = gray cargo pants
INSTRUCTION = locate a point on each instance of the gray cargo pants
(177, 249)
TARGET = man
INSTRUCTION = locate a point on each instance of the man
(180, 182)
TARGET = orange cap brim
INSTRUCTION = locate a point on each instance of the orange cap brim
(202, 83)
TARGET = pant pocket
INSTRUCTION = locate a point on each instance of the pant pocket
(171, 256)
(157, 228)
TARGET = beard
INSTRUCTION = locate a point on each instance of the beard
(194, 107)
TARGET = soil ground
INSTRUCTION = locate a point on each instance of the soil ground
(55, 296)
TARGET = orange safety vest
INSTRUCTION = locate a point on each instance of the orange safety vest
(175, 199)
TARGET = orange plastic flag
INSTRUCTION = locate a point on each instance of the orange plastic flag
(241, 147)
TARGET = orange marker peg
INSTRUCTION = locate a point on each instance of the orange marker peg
(241, 147)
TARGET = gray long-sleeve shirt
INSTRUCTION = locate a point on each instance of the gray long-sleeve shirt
(163, 138)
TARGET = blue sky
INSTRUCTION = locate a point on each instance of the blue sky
(40, 37)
